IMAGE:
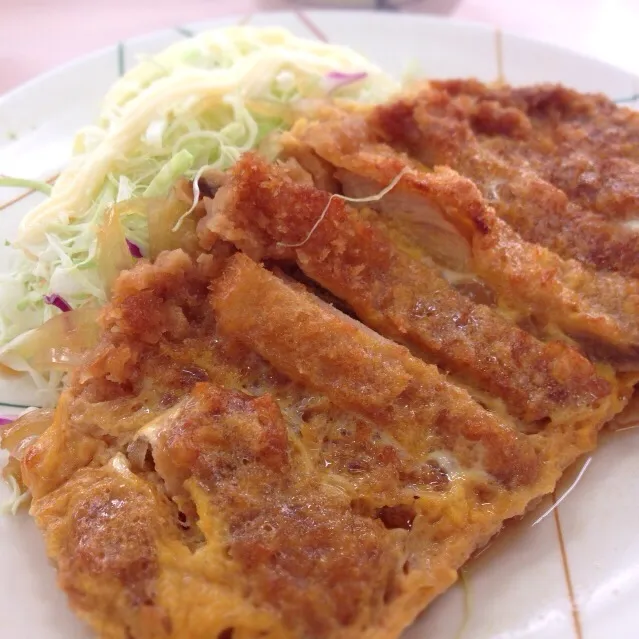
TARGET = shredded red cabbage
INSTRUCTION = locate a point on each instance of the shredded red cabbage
(58, 301)
(134, 249)
(339, 79)
(6, 420)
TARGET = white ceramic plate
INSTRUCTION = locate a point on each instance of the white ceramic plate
(573, 573)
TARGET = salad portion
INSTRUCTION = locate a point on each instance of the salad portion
(198, 105)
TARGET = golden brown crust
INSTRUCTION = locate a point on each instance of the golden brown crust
(403, 297)
(238, 458)
(597, 309)
(590, 123)
(256, 507)
(318, 564)
(102, 528)
(438, 131)
(363, 372)
(556, 132)
(273, 468)
(55, 455)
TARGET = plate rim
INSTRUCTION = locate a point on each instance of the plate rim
(14, 92)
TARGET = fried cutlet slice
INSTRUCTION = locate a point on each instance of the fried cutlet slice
(436, 132)
(598, 310)
(319, 347)
(264, 213)
(583, 144)
(263, 466)
(591, 123)
(224, 492)
(274, 553)
(362, 371)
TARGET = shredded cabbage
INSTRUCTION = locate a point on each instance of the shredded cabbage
(201, 102)
(178, 165)
(17, 498)
(35, 185)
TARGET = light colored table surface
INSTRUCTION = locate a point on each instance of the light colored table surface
(36, 35)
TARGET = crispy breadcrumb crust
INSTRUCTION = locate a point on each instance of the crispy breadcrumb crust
(237, 458)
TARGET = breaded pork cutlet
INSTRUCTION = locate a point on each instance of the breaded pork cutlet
(585, 145)
(591, 124)
(437, 131)
(266, 214)
(597, 309)
(237, 457)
